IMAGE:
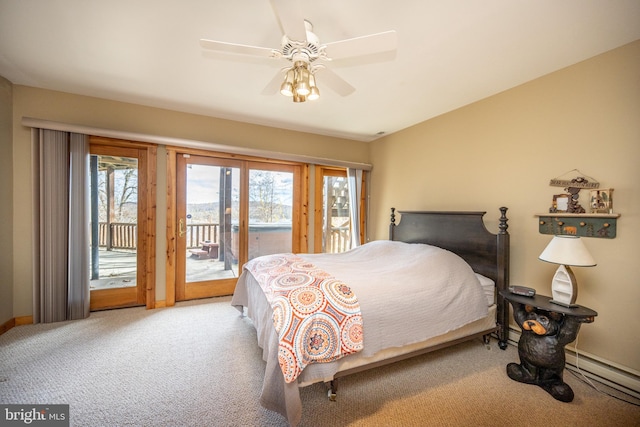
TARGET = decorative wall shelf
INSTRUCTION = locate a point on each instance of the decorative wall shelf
(582, 225)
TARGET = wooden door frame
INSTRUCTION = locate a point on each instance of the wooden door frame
(218, 287)
(145, 290)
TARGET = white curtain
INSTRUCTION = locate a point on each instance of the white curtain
(354, 182)
(61, 226)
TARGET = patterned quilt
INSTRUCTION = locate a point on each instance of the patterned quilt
(317, 316)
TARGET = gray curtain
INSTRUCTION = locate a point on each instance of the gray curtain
(61, 226)
(354, 182)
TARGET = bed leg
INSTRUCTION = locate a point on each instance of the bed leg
(331, 393)
(487, 341)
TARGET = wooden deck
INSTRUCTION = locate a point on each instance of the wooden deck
(118, 270)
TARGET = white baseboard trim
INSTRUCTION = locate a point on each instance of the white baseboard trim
(603, 371)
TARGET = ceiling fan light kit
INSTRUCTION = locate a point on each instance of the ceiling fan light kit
(301, 47)
(300, 83)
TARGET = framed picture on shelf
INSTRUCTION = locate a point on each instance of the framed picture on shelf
(601, 200)
(560, 203)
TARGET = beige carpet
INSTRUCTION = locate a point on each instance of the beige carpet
(197, 364)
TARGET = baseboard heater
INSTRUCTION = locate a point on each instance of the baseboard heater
(596, 368)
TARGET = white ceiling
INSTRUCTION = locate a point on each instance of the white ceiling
(450, 53)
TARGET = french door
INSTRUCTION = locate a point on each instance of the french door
(227, 212)
(122, 256)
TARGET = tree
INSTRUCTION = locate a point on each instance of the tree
(124, 192)
(265, 204)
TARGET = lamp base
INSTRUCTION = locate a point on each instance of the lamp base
(564, 288)
(564, 304)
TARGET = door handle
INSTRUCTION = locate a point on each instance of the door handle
(181, 228)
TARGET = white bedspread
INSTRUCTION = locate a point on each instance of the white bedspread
(408, 293)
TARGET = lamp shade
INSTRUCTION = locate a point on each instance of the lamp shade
(287, 85)
(567, 250)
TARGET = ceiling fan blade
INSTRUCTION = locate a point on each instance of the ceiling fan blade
(291, 19)
(236, 48)
(326, 77)
(365, 45)
(274, 85)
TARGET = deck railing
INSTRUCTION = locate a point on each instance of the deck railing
(198, 233)
(340, 239)
(124, 235)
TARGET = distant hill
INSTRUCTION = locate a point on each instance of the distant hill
(204, 213)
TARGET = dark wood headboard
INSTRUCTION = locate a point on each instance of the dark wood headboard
(465, 234)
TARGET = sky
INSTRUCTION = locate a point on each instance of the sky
(203, 184)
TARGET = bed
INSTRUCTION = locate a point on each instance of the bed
(467, 307)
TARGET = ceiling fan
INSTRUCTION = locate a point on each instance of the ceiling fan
(302, 48)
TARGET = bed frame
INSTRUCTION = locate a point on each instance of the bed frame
(464, 234)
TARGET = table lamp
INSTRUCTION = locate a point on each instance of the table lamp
(566, 251)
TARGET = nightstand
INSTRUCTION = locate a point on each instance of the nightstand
(546, 329)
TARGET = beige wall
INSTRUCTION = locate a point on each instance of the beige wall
(6, 197)
(100, 113)
(503, 150)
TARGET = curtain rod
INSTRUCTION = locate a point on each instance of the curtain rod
(188, 143)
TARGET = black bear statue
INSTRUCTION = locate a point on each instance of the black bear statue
(541, 348)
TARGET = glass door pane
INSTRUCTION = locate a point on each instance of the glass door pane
(336, 234)
(114, 222)
(270, 212)
(212, 218)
